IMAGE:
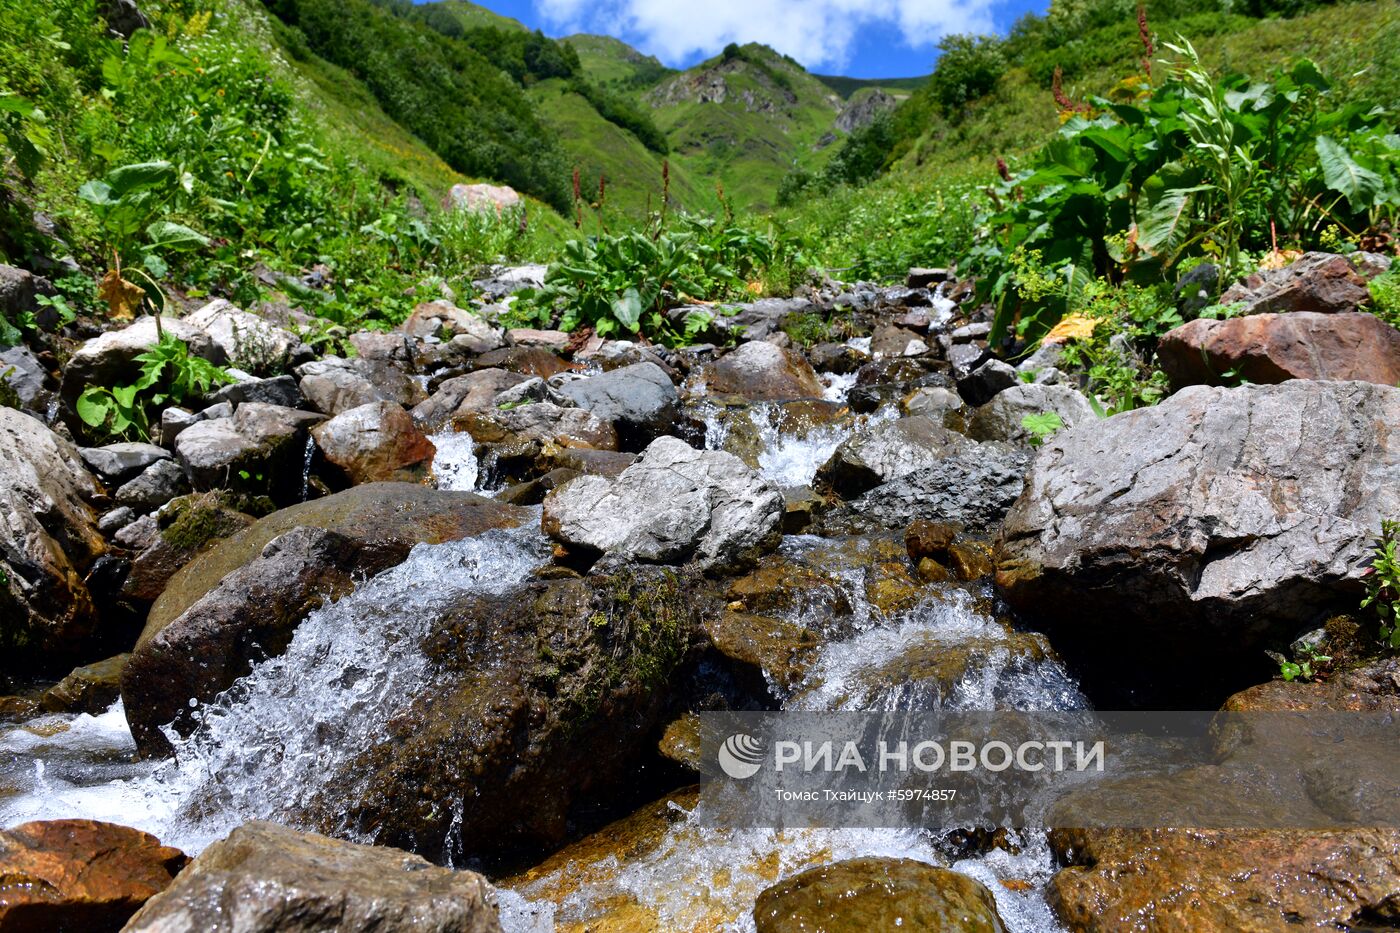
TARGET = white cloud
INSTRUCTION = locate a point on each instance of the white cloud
(818, 33)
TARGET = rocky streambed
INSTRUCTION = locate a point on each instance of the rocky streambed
(416, 638)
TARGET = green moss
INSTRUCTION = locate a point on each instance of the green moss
(191, 522)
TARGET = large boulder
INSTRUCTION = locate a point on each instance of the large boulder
(375, 443)
(538, 423)
(247, 341)
(49, 541)
(110, 359)
(76, 875)
(333, 385)
(974, 488)
(761, 371)
(675, 504)
(866, 894)
(23, 374)
(888, 452)
(444, 320)
(1321, 282)
(1227, 518)
(261, 446)
(543, 698)
(491, 199)
(265, 878)
(119, 463)
(639, 400)
(187, 527)
(1272, 348)
(243, 599)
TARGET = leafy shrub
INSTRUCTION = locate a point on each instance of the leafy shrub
(1383, 583)
(968, 68)
(169, 376)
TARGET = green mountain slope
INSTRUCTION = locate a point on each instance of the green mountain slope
(471, 16)
(613, 63)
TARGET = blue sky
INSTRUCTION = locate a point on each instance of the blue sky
(860, 38)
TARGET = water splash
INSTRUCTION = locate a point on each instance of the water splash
(790, 449)
(455, 466)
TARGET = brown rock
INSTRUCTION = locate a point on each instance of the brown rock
(79, 875)
(867, 894)
(761, 371)
(681, 741)
(265, 878)
(529, 361)
(1374, 687)
(929, 539)
(1250, 881)
(1272, 348)
(538, 423)
(970, 561)
(1321, 282)
(189, 526)
(90, 689)
(375, 443)
(476, 391)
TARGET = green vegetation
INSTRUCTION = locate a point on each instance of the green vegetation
(1383, 583)
(1042, 426)
(169, 376)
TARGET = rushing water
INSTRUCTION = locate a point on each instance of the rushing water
(790, 451)
(268, 744)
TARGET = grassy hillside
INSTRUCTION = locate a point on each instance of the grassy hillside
(847, 87)
(473, 16)
(613, 63)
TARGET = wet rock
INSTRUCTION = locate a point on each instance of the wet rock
(837, 358)
(22, 372)
(762, 318)
(375, 443)
(248, 341)
(1371, 687)
(974, 488)
(1001, 418)
(89, 689)
(534, 491)
(681, 742)
(615, 354)
(538, 423)
(265, 878)
(770, 647)
(531, 684)
(265, 441)
(1271, 348)
(187, 528)
(79, 875)
(476, 391)
(674, 505)
(888, 452)
(926, 278)
(333, 386)
(529, 361)
(639, 400)
(1320, 282)
(1249, 880)
(802, 509)
(279, 390)
(983, 384)
(158, 484)
(245, 597)
(866, 894)
(890, 341)
(926, 538)
(118, 463)
(115, 520)
(586, 461)
(1224, 517)
(48, 543)
(110, 359)
(760, 371)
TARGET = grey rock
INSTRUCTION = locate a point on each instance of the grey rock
(18, 289)
(266, 878)
(889, 451)
(555, 340)
(505, 281)
(965, 358)
(1042, 365)
(140, 534)
(387, 348)
(23, 373)
(1221, 517)
(533, 389)
(760, 371)
(457, 325)
(116, 520)
(969, 333)
(674, 505)
(639, 400)
(173, 421)
(158, 484)
(219, 410)
(982, 385)
(1197, 289)
(279, 390)
(248, 341)
(934, 401)
(48, 543)
(837, 358)
(1371, 265)
(974, 488)
(896, 341)
(123, 17)
(761, 318)
(476, 391)
(118, 463)
(331, 388)
(1000, 419)
(259, 439)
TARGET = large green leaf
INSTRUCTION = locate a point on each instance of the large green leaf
(1164, 210)
(93, 407)
(142, 176)
(1360, 186)
(628, 309)
(173, 236)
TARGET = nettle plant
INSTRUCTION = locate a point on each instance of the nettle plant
(170, 375)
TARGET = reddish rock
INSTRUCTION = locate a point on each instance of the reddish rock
(79, 875)
(1271, 348)
(760, 371)
(375, 443)
(529, 361)
(1321, 282)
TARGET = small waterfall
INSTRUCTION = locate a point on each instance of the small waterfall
(455, 466)
(306, 462)
(789, 454)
